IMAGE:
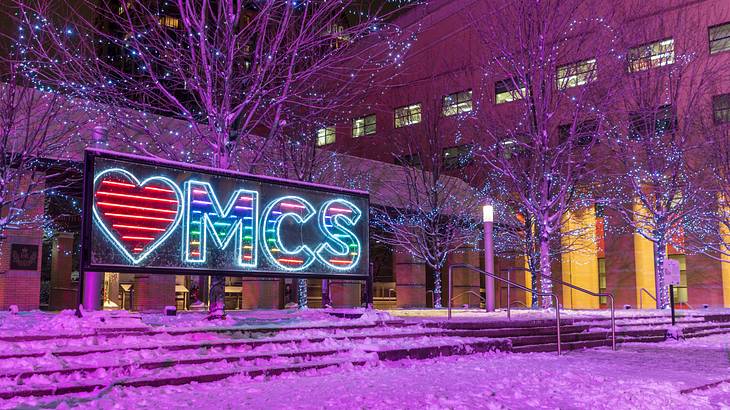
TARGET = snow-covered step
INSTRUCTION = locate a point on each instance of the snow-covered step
(553, 347)
(178, 379)
(516, 331)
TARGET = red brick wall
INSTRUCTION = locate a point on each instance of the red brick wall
(153, 292)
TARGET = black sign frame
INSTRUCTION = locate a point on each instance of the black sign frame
(90, 155)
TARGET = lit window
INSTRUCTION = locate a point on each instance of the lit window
(508, 90)
(721, 108)
(656, 54)
(325, 136)
(410, 160)
(652, 122)
(575, 74)
(457, 103)
(122, 8)
(337, 30)
(719, 38)
(363, 126)
(458, 156)
(171, 22)
(410, 114)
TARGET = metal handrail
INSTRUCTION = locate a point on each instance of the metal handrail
(517, 285)
(586, 291)
(641, 297)
(470, 292)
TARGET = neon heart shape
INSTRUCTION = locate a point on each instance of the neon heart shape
(145, 221)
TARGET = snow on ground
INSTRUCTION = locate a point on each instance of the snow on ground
(638, 376)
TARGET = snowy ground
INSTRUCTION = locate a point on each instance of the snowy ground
(636, 377)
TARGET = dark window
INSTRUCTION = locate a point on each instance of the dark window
(458, 156)
(719, 38)
(409, 160)
(721, 108)
(585, 132)
(653, 122)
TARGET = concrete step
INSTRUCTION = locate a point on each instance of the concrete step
(515, 331)
(715, 325)
(553, 347)
(707, 333)
(502, 324)
(207, 377)
(564, 338)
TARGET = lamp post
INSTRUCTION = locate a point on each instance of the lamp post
(488, 219)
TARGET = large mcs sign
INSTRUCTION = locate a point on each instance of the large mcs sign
(142, 215)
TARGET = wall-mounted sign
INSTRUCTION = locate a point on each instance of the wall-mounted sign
(23, 257)
(148, 216)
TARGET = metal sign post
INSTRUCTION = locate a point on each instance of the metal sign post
(671, 277)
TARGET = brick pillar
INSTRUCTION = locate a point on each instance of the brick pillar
(621, 267)
(464, 280)
(579, 265)
(345, 293)
(410, 280)
(64, 291)
(704, 281)
(262, 293)
(21, 287)
(153, 292)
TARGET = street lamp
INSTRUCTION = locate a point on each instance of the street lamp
(488, 220)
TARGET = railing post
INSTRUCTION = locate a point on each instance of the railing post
(509, 298)
(449, 302)
(557, 321)
(613, 323)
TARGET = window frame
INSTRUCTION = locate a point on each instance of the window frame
(453, 104)
(647, 62)
(515, 94)
(572, 75)
(725, 110)
(364, 128)
(455, 162)
(726, 38)
(408, 118)
(323, 140)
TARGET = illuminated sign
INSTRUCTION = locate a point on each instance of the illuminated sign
(147, 216)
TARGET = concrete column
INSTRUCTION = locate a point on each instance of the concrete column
(262, 293)
(63, 290)
(464, 280)
(346, 293)
(704, 281)
(153, 292)
(92, 293)
(580, 265)
(410, 280)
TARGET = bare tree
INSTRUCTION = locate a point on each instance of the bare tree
(552, 63)
(37, 136)
(433, 211)
(654, 185)
(231, 70)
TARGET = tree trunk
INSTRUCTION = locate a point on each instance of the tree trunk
(217, 306)
(437, 289)
(533, 263)
(660, 290)
(545, 279)
(302, 293)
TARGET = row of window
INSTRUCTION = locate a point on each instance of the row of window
(454, 157)
(642, 57)
(453, 104)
